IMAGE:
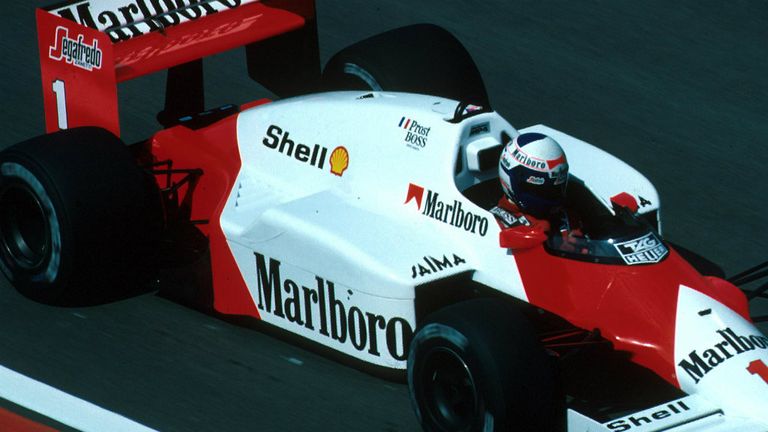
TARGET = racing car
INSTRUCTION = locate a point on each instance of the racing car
(352, 214)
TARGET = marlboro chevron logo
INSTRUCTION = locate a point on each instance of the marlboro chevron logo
(730, 345)
(317, 306)
(125, 19)
(75, 51)
(451, 213)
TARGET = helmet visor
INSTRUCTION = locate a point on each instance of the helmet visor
(537, 193)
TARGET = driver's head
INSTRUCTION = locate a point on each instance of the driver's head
(534, 173)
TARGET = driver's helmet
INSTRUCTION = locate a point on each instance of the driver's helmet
(534, 173)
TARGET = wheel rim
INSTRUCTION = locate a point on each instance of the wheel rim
(449, 390)
(24, 230)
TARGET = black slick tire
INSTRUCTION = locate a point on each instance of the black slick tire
(76, 215)
(421, 58)
(477, 366)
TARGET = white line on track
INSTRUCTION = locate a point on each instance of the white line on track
(62, 407)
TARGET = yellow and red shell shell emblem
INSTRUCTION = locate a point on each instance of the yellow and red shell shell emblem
(339, 160)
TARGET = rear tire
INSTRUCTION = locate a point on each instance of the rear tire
(76, 216)
(421, 58)
(477, 366)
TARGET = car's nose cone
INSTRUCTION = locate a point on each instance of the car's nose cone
(721, 356)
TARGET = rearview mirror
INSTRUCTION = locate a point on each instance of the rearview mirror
(521, 237)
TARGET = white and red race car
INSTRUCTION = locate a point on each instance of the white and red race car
(360, 221)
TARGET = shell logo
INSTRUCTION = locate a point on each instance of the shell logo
(339, 160)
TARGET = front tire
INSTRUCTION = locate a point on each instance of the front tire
(477, 366)
(421, 58)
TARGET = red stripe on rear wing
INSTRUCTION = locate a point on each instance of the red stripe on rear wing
(125, 19)
(195, 39)
(80, 66)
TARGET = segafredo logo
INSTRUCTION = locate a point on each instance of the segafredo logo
(416, 135)
(320, 309)
(451, 213)
(644, 250)
(75, 51)
(699, 364)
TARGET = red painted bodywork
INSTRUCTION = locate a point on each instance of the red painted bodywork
(91, 100)
(214, 150)
(201, 38)
(91, 96)
(14, 422)
(634, 307)
(625, 200)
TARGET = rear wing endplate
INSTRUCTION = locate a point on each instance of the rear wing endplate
(87, 47)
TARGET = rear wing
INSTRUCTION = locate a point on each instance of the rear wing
(87, 47)
(754, 274)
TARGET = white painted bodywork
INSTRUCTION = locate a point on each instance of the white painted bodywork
(297, 228)
(356, 229)
(688, 414)
(725, 344)
(604, 175)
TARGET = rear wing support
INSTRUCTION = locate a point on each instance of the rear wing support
(750, 275)
(289, 64)
(184, 93)
(87, 48)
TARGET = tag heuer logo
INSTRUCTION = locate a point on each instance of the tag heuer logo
(644, 250)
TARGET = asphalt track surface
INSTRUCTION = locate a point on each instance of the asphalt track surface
(678, 90)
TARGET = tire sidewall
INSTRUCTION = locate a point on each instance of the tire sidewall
(99, 210)
(44, 280)
(420, 58)
(517, 383)
(357, 76)
(434, 336)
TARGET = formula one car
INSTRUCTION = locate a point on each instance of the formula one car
(358, 219)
